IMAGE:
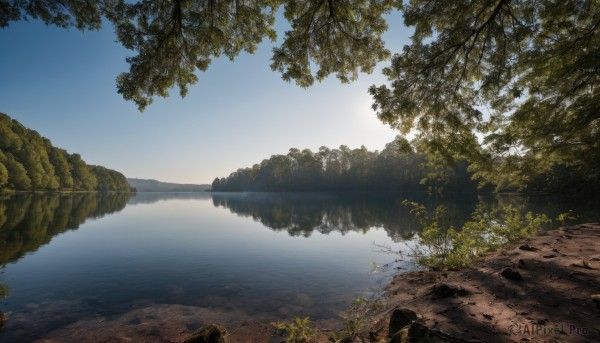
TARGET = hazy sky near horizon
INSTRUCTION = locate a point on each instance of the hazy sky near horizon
(61, 83)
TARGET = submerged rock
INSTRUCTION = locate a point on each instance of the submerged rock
(211, 333)
(400, 318)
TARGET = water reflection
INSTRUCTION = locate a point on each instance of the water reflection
(184, 253)
(153, 197)
(30, 221)
(300, 214)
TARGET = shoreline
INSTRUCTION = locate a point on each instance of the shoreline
(546, 296)
(560, 271)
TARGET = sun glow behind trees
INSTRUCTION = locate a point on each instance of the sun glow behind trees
(534, 64)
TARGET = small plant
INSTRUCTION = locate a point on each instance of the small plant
(440, 245)
(565, 217)
(298, 331)
(355, 320)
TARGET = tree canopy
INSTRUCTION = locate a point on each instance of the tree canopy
(172, 39)
(29, 161)
(396, 168)
(511, 85)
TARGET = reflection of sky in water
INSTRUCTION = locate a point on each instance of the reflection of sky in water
(212, 251)
(190, 252)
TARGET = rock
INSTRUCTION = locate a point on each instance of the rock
(400, 318)
(512, 274)
(527, 247)
(596, 299)
(582, 264)
(3, 318)
(211, 333)
(373, 336)
(522, 264)
(413, 333)
(444, 290)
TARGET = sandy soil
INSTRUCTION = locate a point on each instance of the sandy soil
(560, 271)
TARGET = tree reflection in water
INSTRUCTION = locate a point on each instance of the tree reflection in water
(302, 213)
(28, 221)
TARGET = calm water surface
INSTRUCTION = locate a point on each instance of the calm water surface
(266, 256)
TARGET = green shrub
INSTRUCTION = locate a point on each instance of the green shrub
(440, 245)
(298, 331)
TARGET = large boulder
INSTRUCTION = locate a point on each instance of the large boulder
(400, 318)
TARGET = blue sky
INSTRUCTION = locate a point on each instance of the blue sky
(61, 83)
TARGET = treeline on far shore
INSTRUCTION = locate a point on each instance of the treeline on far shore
(396, 168)
(400, 166)
(29, 162)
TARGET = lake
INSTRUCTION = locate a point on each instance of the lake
(71, 262)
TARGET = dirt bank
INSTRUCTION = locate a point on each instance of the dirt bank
(538, 290)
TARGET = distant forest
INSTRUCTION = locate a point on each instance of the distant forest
(29, 162)
(146, 185)
(396, 168)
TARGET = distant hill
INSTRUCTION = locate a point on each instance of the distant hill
(144, 185)
(29, 162)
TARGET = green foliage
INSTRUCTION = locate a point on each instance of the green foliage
(440, 245)
(298, 331)
(84, 15)
(340, 37)
(356, 320)
(397, 167)
(521, 75)
(3, 175)
(17, 175)
(29, 162)
(510, 86)
(565, 217)
(174, 39)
